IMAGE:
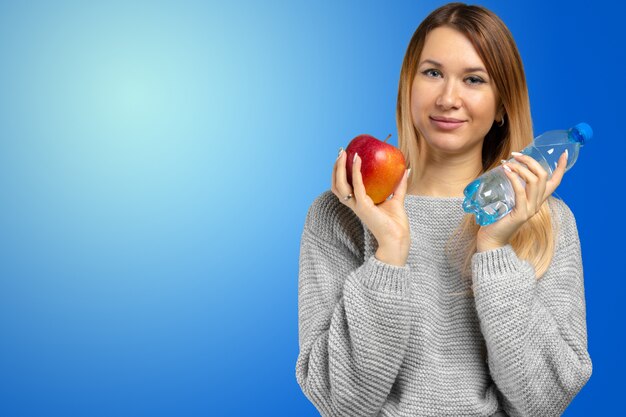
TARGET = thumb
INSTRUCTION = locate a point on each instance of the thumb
(400, 191)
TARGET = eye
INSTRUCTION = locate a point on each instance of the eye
(431, 72)
(475, 80)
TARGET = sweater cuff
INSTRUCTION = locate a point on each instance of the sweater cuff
(495, 261)
(499, 264)
(381, 276)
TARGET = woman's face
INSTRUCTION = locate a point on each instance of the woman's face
(453, 99)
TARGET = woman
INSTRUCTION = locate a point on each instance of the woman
(408, 307)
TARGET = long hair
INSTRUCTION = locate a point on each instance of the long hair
(534, 241)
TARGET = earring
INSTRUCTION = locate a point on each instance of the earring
(501, 122)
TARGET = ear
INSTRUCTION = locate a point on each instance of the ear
(500, 113)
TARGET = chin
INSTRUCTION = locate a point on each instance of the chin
(447, 143)
(452, 142)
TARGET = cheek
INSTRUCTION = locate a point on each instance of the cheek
(417, 114)
(418, 106)
(414, 109)
(484, 107)
(419, 98)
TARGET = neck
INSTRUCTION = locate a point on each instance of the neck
(445, 176)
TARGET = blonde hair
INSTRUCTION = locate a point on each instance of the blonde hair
(494, 44)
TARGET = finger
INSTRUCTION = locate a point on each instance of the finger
(529, 188)
(335, 177)
(535, 167)
(341, 182)
(536, 190)
(523, 172)
(531, 180)
(518, 188)
(357, 180)
(532, 164)
(400, 192)
(333, 185)
(557, 175)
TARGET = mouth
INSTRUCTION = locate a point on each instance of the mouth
(446, 123)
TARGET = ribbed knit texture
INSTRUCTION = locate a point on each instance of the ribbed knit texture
(382, 340)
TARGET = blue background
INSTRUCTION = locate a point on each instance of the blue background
(157, 160)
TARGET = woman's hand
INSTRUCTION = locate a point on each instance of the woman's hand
(528, 200)
(387, 221)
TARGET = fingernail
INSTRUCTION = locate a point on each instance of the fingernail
(566, 155)
(408, 172)
(507, 168)
(354, 159)
(516, 153)
(340, 152)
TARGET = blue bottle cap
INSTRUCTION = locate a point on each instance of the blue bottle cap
(582, 132)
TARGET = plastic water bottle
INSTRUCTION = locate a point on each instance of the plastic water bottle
(491, 196)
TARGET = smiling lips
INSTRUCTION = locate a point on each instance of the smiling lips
(446, 123)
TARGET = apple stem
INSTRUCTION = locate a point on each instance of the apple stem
(387, 138)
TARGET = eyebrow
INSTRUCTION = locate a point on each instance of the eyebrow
(470, 69)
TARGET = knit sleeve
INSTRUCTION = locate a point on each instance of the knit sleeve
(535, 331)
(353, 322)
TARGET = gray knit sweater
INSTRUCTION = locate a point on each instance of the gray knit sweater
(383, 340)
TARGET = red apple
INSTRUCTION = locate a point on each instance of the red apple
(382, 165)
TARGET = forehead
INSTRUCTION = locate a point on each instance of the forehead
(451, 48)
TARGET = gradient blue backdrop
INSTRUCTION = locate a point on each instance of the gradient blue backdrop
(157, 160)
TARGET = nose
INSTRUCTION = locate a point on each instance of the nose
(449, 96)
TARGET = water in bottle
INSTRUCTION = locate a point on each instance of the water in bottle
(491, 196)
